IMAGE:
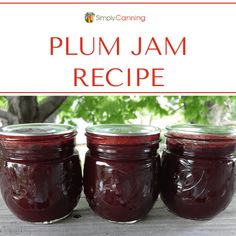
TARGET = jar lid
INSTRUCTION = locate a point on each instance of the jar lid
(123, 130)
(196, 129)
(37, 129)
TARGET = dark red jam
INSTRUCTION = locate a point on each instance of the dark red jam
(40, 173)
(121, 174)
(198, 170)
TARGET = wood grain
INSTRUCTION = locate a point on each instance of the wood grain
(84, 222)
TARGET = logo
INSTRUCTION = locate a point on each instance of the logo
(89, 17)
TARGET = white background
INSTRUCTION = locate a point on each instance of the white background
(26, 64)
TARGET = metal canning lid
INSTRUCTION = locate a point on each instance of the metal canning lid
(123, 130)
(202, 129)
(36, 129)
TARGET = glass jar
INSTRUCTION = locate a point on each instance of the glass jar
(121, 181)
(198, 170)
(40, 173)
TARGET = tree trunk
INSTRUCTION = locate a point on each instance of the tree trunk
(26, 109)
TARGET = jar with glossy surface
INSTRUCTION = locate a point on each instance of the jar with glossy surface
(40, 171)
(198, 170)
(121, 174)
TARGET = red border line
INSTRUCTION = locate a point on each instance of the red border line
(141, 3)
(119, 92)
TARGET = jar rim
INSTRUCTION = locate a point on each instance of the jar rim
(123, 130)
(201, 129)
(37, 129)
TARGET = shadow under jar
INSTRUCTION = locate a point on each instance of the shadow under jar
(198, 170)
(40, 173)
(121, 174)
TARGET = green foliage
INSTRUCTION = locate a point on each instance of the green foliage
(195, 109)
(3, 102)
(109, 109)
(150, 104)
(98, 109)
(40, 99)
(123, 109)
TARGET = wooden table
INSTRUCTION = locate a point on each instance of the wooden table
(84, 222)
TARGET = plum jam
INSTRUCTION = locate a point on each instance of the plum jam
(198, 170)
(40, 173)
(121, 173)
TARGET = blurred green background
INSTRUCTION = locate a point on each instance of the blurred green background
(118, 109)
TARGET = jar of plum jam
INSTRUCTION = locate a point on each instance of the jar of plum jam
(40, 173)
(198, 170)
(121, 173)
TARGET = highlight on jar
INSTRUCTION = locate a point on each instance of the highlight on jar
(198, 170)
(121, 172)
(40, 172)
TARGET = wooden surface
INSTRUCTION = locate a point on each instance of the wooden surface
(158, 222)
